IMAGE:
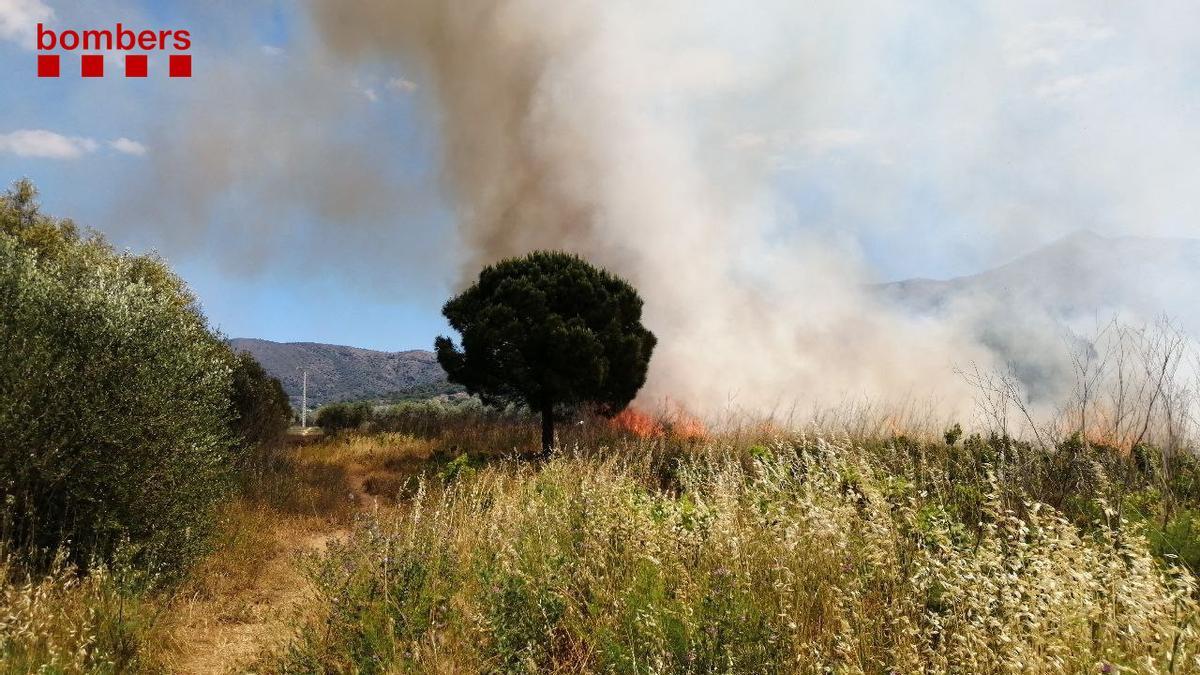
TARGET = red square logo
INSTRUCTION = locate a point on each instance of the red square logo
(135, 65)
(181, 65)
(92, 65)
(47, 65)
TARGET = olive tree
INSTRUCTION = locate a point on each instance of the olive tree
(114, 398)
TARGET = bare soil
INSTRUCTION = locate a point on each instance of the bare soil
(232, 629)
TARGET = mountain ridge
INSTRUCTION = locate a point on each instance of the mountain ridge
(345, 373)
(1081, 274)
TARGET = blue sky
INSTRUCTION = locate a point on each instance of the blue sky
(93, 173)
(300, 191)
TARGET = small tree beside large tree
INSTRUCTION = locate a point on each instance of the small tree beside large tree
(551, 331)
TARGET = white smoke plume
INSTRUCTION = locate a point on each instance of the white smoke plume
(596, 127)
(749, 166)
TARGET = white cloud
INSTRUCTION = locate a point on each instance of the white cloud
(816, 140)
(45, 144)
(19, 19)
(127, 146)
(368, 92)
(271, 50)
(1045, 43)
(824, 140)
(1073, 85)
(402, 85)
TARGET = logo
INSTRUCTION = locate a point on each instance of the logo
(173, 43)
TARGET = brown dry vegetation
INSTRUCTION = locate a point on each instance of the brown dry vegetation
(238, 603)
(247, 597)
(649, 545)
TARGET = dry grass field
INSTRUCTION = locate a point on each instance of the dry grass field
(654, 545)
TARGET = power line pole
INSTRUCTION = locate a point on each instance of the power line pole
(304, 403)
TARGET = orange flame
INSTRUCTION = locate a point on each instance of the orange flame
(636, 423)
(672, 421)
(682, 424)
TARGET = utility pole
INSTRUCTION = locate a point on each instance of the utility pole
(304, 402)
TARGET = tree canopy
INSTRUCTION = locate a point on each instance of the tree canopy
(548, 330)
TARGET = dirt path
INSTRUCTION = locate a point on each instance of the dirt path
(228, 633)
(225, 635)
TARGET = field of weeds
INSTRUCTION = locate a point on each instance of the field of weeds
(656, 551)
(800, 555)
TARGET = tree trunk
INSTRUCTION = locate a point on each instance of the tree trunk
(547, 429)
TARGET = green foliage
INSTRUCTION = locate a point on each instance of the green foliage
(114, 398)
(1178, 541)
(418, 393)
(40, 235)
(1184, 478)
(344, 416)
(260, 408)
(459, 467)
(760, 452)
(953, 434)
(548, 330)
(437, 418)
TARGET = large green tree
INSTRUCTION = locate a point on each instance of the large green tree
(551, 331)
(261, 409)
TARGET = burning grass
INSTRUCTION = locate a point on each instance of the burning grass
(673, 421)
(636, 423)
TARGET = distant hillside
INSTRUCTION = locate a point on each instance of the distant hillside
(340, 373)
(1080, 276)
(1020, 310)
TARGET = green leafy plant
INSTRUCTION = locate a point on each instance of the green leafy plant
(261, 411)
(953, 434)
(114, 398)
(336, 417)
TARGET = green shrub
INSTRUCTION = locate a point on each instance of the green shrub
(343, 416)
(1178, 541)
(953, 434)
(114, 399)
(437, 418)
(460, 467)
(261, 410)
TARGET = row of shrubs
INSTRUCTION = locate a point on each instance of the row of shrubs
(429, 418)
(124, 418)
(459, 424)
(1091, 484)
